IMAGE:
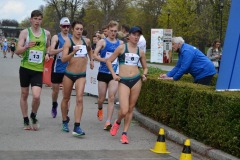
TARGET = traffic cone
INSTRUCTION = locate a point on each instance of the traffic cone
(186, 153)
(160, 146)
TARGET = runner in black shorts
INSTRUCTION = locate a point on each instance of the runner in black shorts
(58, 67)
(104, 77)
(106, 84)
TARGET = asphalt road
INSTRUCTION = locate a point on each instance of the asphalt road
(51, 143)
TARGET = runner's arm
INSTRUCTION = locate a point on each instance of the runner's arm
(53, 50)
(100, 45)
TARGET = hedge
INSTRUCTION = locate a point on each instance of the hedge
(195, 110)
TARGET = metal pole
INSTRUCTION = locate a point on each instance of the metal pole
(221, 14)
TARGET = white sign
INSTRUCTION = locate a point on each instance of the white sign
(91, 86)
(161, 45)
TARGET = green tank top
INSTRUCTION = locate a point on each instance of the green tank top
(127, 58)
(33, 58)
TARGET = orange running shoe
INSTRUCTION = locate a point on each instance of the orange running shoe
(114, 128)
(107, 126)
(100, 114)
(124, 139)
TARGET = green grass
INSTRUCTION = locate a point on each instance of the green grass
(175, 58)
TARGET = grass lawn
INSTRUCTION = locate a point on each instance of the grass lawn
(175, 58)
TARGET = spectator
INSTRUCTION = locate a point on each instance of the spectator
(125, 30)
(105, 31)
(190, 60)
(95, 40)
(214, 53)
(142, 42)
(84, 33)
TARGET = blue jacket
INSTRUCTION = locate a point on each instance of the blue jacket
(193, 61)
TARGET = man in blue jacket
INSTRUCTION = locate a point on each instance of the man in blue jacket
(190, 60)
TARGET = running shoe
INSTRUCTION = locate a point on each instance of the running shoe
(78, 132)
(54, 112)
(65, 127)
(27, 126)
(114, 128)
(107, 126)
(124, 139)
(100, 114)
(35, 124)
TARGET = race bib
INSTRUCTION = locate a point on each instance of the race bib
(108, 54)
(131, 59)
(82, 52)
(35, 56)
(59, 55)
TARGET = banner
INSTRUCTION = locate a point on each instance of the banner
(161, 45)
(228, 77)
(167, 45)
(91, 86)
(47, 72)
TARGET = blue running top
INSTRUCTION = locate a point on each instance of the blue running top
(106, 52)
(58, 66)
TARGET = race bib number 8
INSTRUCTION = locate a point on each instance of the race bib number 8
(35, 56)
(82, 52)
(108, 54)
(131, 59)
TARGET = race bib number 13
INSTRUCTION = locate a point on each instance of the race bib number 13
(35, 56)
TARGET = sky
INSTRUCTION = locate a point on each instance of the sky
(18, 9)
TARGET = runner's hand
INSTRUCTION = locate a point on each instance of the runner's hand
(116, 78)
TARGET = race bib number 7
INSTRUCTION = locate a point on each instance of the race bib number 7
(82, 52)
(35, 56)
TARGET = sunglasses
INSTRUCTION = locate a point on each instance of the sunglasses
(65, 26)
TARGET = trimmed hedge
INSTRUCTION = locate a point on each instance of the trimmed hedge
(197, 111)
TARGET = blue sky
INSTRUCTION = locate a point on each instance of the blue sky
(18, 9)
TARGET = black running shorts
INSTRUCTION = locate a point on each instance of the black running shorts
(28, 77)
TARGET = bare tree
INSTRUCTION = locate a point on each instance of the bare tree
(66, 8)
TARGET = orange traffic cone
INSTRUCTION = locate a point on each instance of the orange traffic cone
(160, 146)
(186, 152)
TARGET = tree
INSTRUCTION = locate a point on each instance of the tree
(66, 8)
(197, 21)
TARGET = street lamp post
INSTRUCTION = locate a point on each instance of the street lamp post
(168, 18)
(221, 14)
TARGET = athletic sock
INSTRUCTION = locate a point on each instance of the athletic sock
(33, 115)
(76, 124)
(26, 120)
(54, 105)
(65, 121)
(124, 133)
(100, 107)
(118, 122)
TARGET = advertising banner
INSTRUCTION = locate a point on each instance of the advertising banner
(91, 86)
(228, 77)
(161, 45)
